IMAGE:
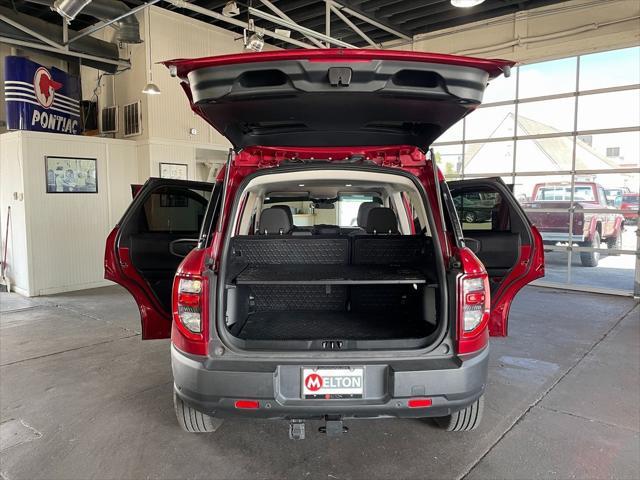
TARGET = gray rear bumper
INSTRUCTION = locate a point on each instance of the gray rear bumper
(387, 389)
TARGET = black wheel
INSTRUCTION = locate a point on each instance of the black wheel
(615, 243)
(591, 259)
(464, 420)
(470, 217)
(193, 421)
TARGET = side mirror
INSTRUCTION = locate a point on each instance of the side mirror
(473, 244)
(182, 246)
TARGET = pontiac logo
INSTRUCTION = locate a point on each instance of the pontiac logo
(45, 87)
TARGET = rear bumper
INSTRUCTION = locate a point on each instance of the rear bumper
(561, 237)
(387, 389)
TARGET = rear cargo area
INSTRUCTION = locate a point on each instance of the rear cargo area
(331, 292)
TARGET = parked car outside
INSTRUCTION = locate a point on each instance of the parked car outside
(269, 319)
(592, 224)
(631, 204)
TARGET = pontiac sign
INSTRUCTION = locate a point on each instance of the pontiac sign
(41, 99)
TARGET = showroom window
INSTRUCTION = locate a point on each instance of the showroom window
(567, 138)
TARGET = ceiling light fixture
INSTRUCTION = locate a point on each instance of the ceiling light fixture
(231, 9)
(255, 41)
(68, 9)
(466, 3)
(151, 88)
(284, 32)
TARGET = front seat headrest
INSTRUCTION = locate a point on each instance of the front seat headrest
(363, 212)
(274, 221)
(287, 209)
(382, 220)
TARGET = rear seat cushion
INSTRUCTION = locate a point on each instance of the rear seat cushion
(382, 220)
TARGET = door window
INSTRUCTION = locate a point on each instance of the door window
(175, 210)
(481, 209)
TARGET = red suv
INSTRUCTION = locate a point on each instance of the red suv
(325, 274)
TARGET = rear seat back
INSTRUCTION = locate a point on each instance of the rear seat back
(288, 250)
(389, 249)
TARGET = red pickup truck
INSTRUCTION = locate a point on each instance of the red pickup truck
(591, 226)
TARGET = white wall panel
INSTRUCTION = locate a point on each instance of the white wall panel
(178, 36)
(12, 195)
(65, 233)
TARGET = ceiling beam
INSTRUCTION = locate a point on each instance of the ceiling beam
(32, 33)
(68, 53)
(284, 16)
(299, 28)
(480, 12)
(353, 26)
(233, 21)
(390, 27)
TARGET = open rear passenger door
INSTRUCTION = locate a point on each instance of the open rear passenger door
(165, 221)
(498, 230)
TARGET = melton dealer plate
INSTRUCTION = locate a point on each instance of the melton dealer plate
(332, 382)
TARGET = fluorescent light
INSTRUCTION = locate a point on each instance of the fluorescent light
(347, 185)
(466, 3)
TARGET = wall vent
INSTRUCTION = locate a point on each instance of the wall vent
(132, 119)
(109, 120)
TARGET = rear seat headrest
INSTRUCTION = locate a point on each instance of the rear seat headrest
(382, 220)
(363, 212)
(274, 221)
(286, 209)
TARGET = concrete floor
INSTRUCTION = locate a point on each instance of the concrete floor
(82, 397)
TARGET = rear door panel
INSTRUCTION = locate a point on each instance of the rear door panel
(138, 254)
(334, 97)
(509, 246)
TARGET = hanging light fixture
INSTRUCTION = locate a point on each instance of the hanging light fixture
(466, 3)
(68, 9)
(255, 41)
(151, 88)
(231, 9)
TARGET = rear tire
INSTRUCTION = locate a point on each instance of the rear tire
(193, 421)
(591, 259)
(470, 217)
(464, 420)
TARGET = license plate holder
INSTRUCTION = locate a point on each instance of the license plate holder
(329, 383)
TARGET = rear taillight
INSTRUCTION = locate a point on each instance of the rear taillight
(473, 304)
(190, 328)
(189, 305)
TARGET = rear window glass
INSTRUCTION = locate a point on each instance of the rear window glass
(175, 210)
(482, 210)
(630, 198)
(563, 193)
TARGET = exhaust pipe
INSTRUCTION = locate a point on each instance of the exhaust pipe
(127, 28)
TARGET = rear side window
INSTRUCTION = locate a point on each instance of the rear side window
(175, 210)
(482, 210)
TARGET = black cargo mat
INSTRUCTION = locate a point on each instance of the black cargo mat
(310, 325)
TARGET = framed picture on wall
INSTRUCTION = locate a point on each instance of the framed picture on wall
(177, 171)
(71, 174)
